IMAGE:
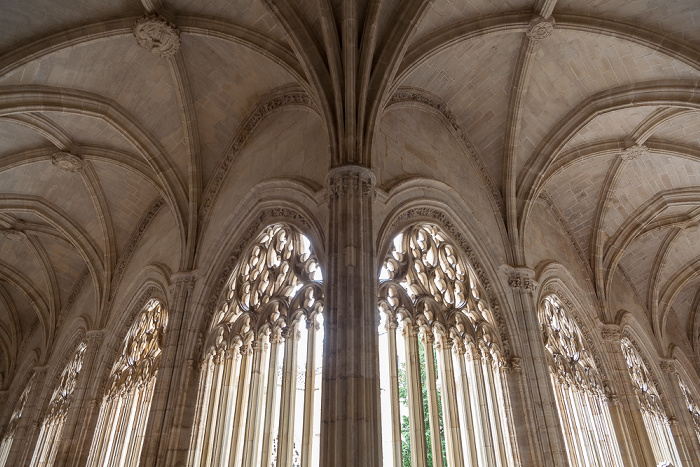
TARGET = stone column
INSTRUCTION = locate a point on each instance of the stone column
(682, 425)
(79, 415)
(255, 402)
(285, 438)
(428, 339)
(419, 451)
(625, 412)
(391, 325)
(271, 398)
(350, 414)
(309, 388)
(163, 431)
(453, 436)
(540, 433)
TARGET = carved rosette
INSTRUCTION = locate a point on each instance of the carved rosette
(634, 152)
(540, 28)
(14, 235)
(157, 35)
(351, 180)
(67, 161)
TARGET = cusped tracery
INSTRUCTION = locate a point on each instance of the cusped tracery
(569, 359)
(60, 400)
(276, 282)
(425, 278)
(19, 408)
(138, 362)
(642, 382)
(692, 407)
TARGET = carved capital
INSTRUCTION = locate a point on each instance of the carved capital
(157, 35)
(351, 180)
(610, 332)
(67, 161)
(520, 278)
(540, 28)
(669, 366)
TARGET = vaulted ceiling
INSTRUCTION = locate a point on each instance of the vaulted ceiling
(591, 108)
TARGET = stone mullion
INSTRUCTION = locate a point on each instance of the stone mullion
(582, 424)
(100, 433)
(227, 403)
(480, 414)
(200, 417)
(220, 428)
(84, 411)
(113, 420)
(285, 438)
(496, 430)
(141, 420)
(433, 409)
(683, 429)
(464, 397)
(600, 441)
(504, 395)
(25, 435)
(164, 426)
(242, 392)
(350, 413)
(270, 401)
(626, 413)
(128, 433)
(40, 448)
(567, 424)
(255, 402)
(539, 407)
(419, 451)
(450, 415)
(208, 445)
(309, 385)
(607, 405)
(396, 448)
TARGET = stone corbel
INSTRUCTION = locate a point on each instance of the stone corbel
(520, 278)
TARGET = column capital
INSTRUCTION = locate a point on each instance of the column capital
(344, 180)
(669, 366)
(522, 278)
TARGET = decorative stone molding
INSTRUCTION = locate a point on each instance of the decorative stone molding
(521, 278)
(413, 95)
(540, 28)
(264, 108)
(67, 161)
(669, 366)
(634, 152)
(157, 35)
(133, 242)
(610, 333)
(350, 179)
(14, 235)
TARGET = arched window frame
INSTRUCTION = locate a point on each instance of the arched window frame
(274, 287)
(17, 413)
(690, 404)
(654, 412)
(52, 425)
(119, 435)
(431, 292)
(579, 387)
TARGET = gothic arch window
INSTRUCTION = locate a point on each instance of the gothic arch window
(443, 391)
(691, 405)
(6, 443)
(582, 404)
(52, 425)
(260, 386)
(653, 413)
(124, 411)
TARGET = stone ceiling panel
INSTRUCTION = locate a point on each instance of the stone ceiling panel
(128, 196)
(21, 256)
(67, 264)
(227, 83)
(680, 17)
(91, 131)
(610, 126)
(67, 190)
(26, 313)
(644, 177)
(120, 70)
(474, 79)
(16, 138)
(250, 13)
(684, 128)
(576, 191)
(684, 251)
(683, 303)
(638, 259)
(571, 66)
(31, 20)
(442, 13)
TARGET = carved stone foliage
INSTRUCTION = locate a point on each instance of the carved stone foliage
(140, 356)
(275, 282)
(60, 400)
(642, 381)
(19, 409)
(426, 280)
(570, 360)
(634, 152)
(347, 181)
(691, 406)
(157, 35)
(67, 161)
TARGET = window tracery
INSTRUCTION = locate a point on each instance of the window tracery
(54, 421)
(691, 406)
(259, 375)
(653, 412)
(444, 395)
(578, 387)
(124, 411)
(11, 429)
